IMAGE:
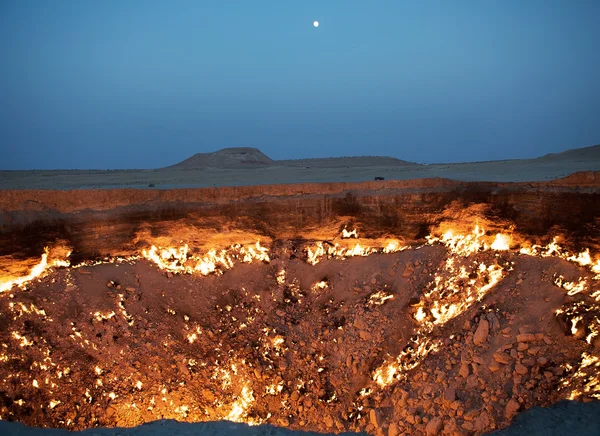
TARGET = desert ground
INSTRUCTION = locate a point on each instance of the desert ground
(249, 166)
(323, 301)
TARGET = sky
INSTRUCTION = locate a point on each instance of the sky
(147, 83)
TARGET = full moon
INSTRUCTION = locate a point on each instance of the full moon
(316, 24)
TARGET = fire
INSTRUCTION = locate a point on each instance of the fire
(180, 260)
(471, 243)
(38, 271)
(572, 288)
(379, 297)
(239, 409)
(320, 286)
(343, 251)
(501, 243)
(407, 360)
(585, 379)
(349, 234)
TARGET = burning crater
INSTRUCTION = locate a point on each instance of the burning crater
(419, 307)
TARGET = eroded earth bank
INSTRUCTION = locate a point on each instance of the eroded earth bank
(420, 307)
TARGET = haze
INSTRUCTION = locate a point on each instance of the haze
(146, 84)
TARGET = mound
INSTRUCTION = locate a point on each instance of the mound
(585, 154)
(236, 157)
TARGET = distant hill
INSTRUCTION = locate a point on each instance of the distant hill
(250, 157)
(584, 154)
(237, 157)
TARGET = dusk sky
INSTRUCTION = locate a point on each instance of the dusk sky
(145, 84)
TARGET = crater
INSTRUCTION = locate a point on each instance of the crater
(425, 306)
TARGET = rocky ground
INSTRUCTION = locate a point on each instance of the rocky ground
(432, 340)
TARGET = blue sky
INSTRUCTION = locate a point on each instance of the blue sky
(145, 83)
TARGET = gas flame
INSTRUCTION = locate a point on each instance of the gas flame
(179, 259)
(349, 234)
(339, 251)
(239, 409)
(572, 288)
(38, 271)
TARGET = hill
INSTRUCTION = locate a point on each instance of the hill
(585, 154)
(236, 157)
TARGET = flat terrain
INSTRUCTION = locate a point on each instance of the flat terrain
(248, 166)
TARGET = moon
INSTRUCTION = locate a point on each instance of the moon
(316, 24)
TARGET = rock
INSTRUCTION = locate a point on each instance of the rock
(328, 420)
(360, 324)
(512, 407)
(501, 358)
(521, 369)
(374, 418)
(283, 421)
(522, 346)
(482, 332)
(393, 429)
(482, 422)
(434, 426)
(364, 335)
(479, 360)
(449, 395)
(526, 337)
(494, 366)
(464, 370)
(493, 319)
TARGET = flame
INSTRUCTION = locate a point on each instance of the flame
(280, 277)
(408, 359)
(585, 380)
(38, 271)
(320, 286)
(239, 409)
(501, 243)
(572, 288)
(179, 259)
(349, 234)
(379, 297)
(342, 251)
